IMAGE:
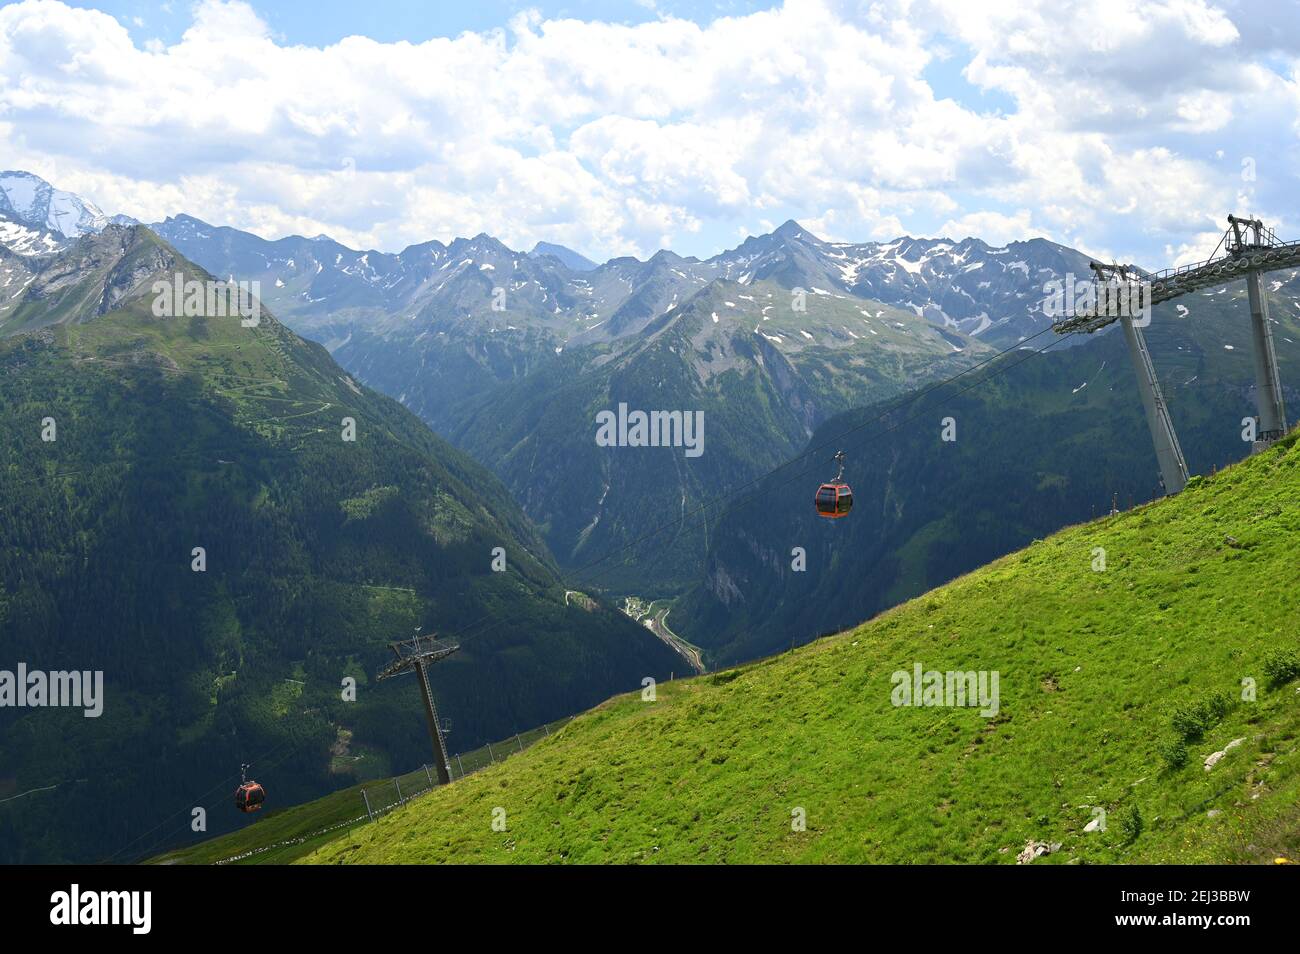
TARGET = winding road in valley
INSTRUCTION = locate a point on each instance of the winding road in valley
(656, 620)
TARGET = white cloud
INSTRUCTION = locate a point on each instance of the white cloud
(617, 139)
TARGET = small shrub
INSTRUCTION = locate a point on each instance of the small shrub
(1191, 719)
(1281, 666)
(1173, 753)
(1131, 823)
(1217, 705)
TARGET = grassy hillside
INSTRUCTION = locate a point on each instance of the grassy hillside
(1115, 685)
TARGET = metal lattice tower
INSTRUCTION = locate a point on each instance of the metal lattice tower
(416, 655)
(1247, 250)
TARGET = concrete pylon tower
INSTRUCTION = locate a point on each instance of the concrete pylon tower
(1169, 455)
(1250, 240)
(1268, 382)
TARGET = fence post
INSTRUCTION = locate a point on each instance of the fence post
(369, 813)
(399, 789)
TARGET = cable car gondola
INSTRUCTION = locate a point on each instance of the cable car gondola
(250, 795)
(835, 499)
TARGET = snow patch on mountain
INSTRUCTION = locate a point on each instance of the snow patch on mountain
(31, 201)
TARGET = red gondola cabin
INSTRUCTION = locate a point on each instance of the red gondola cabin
(834, 500)
(250, 795)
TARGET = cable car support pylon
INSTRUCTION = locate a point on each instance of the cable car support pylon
(1247, 250)
(1169, 455)
(416, 655)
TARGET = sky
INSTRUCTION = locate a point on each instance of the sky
(1125, 128)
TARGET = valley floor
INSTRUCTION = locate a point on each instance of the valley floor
(654, 617)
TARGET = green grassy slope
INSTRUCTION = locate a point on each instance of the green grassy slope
(1101, 674)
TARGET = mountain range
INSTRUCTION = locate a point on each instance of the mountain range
(511, 355)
